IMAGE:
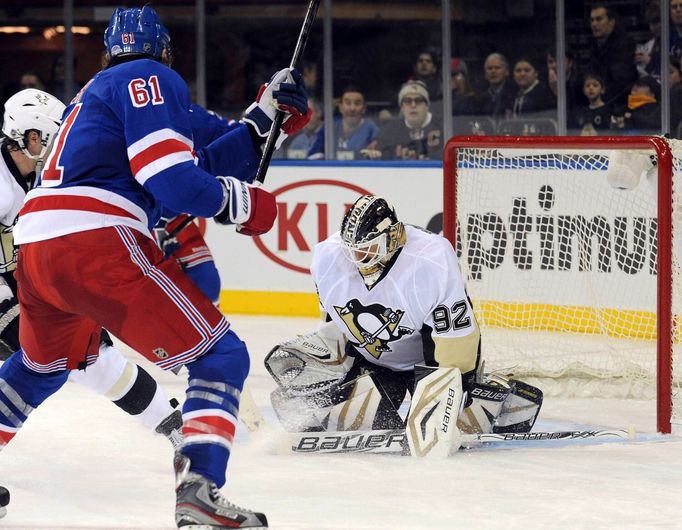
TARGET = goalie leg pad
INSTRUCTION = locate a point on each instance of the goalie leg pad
(432, 422)
(366, 405)
(297, 413)
(359, 404)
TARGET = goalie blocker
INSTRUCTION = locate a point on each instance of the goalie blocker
(322, 389)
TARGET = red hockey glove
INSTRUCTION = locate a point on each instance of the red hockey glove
(296, 123)
(252, 208)
(263, 212)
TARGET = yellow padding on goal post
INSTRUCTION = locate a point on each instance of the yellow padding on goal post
(269, 303)
(548, 317)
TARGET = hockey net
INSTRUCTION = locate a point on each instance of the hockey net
(575, 283)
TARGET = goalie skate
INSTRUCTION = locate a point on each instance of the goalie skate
(201, 506)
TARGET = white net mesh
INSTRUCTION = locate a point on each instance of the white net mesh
(561, 268)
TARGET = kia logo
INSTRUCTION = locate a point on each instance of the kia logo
(307, 213)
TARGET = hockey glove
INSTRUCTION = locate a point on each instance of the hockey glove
(285, 92)
(162, 231)
(253, 208)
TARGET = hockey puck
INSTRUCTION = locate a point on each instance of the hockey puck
(4, 496)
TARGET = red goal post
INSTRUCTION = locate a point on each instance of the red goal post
(552, 254)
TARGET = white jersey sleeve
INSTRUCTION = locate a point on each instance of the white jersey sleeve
(450, 317)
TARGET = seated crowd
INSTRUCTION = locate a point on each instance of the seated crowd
(613, 87)
(617, 90)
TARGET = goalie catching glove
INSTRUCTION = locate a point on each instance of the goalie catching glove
(251, 207)
(285, 92)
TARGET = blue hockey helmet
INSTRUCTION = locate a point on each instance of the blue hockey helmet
(136, 31)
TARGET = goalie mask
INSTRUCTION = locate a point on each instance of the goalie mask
(371, 235)
(32, 110)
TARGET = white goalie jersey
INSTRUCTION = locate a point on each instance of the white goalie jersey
(11, 200)
(417, 313)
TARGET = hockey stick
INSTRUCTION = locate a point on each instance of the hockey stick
(395, 441)
(269, 148)
(545, 436)
(249, 412)
(279, 115)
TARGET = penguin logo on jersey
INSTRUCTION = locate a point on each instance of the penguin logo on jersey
(373, 326)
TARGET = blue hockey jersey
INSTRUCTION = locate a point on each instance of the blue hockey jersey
(124, 150)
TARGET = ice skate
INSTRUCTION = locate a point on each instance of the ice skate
(171, 428)
(4, 501)
(201, 506)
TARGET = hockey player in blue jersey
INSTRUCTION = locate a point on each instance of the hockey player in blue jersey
(87, 258)
(30, 122)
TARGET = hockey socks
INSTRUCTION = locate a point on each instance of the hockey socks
(211, 407)
(21, 391)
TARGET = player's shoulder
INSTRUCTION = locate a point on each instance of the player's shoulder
(428, 248)
(144, 69)
(327, 253)
(421, 240)
(329, 248)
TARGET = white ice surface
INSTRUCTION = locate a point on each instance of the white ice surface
(81, 463)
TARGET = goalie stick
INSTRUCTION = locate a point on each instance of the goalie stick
(395, 441)
(249, 412)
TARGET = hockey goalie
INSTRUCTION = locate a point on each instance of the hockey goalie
(399, 322)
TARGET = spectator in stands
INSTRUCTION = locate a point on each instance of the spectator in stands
(498, 97)
(643, 113)
(414, 135)
(532, 94)
(299, 145)
(612, 53)
(574, 82)
(595, 117)
(463, 96)
(426, 71)
(648, 54)
(58, 80)
(352, 131)
(31, 79)
(310, 78)
(676, 29)
(675, 97)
